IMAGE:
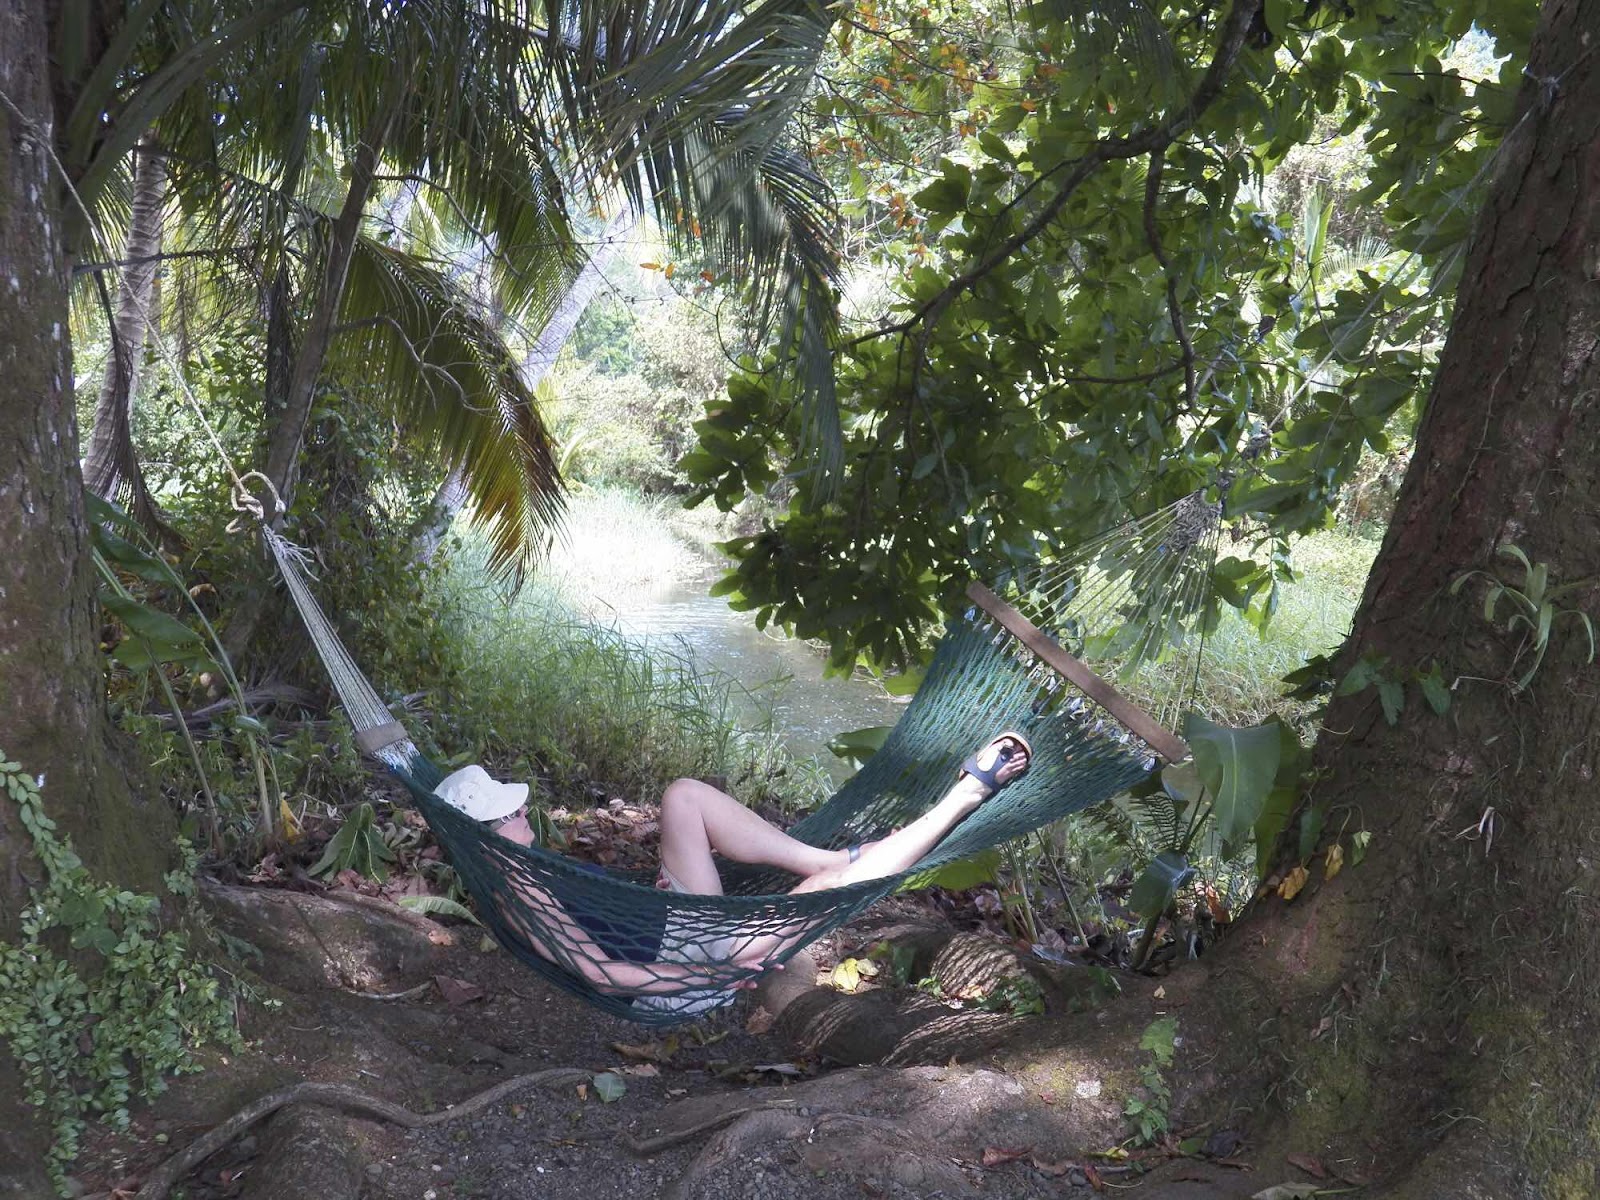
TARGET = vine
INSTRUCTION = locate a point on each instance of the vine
(98, 1003)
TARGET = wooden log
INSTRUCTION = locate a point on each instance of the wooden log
(1165, 743)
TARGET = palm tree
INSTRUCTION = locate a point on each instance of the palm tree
(506, 117)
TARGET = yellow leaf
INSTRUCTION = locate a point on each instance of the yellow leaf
(651, 266)
(1293, 882)
(1334, 863)
(291, 824)
(670, 267)
(847, 975)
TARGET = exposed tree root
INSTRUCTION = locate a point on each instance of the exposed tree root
(677, 1137)
(345, 1099)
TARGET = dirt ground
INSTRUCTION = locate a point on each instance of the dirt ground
(708, 1110)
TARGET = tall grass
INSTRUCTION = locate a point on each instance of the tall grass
(1241, 669)
(617, 547)
(1235, 676)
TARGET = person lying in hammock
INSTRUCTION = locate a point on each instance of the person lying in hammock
(682, 969)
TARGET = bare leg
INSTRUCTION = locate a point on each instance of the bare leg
(697, 819)
(902, 848)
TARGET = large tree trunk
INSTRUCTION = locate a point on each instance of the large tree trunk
(51, 707)
(112, 467)
(1450, 985)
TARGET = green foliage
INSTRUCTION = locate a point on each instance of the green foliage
(358, 846)
(958, 876)
(1237, 768)
(442, 906)
(1533, 609)
(1018, 995)
(857, 745)
(545, 692)
(96, 1029)
(1020, 381)
(1148, 1112)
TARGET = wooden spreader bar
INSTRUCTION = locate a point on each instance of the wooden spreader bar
(1166, 744)
(370, 741)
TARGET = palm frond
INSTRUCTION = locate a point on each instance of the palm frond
(748, 212)
(451, 383)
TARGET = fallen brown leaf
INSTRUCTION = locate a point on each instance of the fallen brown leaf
(1293, 882)
(1053, 1169)
(1093, 1177)
(645, 1070)
(1309, 1163)
(994, 1156)
(760, 1021)
(1322, 1027)
(457, 992)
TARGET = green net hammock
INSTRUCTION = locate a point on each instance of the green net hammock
(994, 669)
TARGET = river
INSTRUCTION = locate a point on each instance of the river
(808, 709)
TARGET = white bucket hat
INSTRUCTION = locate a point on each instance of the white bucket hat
(474, 792)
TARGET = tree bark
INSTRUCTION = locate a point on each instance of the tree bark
(51, 687)
(112, 466)
(284, 440)
(1450, 984)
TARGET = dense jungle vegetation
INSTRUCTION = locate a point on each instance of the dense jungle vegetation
(856, 303)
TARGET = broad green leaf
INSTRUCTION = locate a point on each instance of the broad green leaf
(1311, 823)
(958, 876)
(1435, 691)
(858, 745)
(147, 623)
(1359, 676)
(1237, 766)
(1161, 1038)
(1359, 841)
(439, 906)
(609, 1087)
(1181, 781)
(1158, 883)
(1392, 695)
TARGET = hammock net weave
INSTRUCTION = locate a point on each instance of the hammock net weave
(660, 957)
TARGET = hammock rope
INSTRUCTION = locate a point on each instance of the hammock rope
(683, 952)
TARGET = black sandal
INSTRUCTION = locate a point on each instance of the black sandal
(988, 776)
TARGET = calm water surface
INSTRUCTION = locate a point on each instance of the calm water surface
(808, 710)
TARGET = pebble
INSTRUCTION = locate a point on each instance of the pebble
(374, 1170)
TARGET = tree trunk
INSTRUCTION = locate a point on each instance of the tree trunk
(51, 708)
(284, 439)
(452, 494)
(1450, 984)
(112, 466)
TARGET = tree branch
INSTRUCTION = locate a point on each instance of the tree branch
(1152, 191)
(1150, 141)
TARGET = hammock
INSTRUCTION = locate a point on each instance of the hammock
(1131, 598)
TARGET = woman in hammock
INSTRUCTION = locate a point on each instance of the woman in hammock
(673, 970)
